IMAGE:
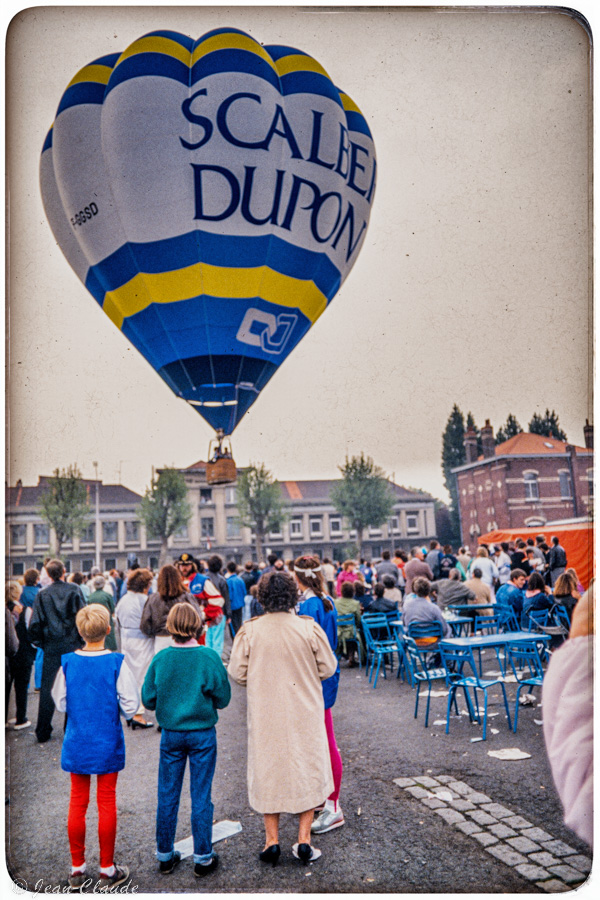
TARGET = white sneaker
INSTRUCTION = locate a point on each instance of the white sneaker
(327, 820)
(22, 725)
(11, 722)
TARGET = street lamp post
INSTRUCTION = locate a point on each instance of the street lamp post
(97, 525)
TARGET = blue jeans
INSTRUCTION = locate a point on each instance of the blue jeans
(201, 749)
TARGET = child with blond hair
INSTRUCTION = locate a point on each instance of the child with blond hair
(93, 686)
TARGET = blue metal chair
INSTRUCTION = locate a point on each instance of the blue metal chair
(348, 621)
(421, 674)
(380, 644)
(507, 618)
(527, 667)
(561, 616)
(536, 618)
(404, 668)
(455, 661)
(488, 625)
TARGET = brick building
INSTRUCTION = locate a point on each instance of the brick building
(528, 480)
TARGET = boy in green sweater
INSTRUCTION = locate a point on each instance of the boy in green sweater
(186, 684)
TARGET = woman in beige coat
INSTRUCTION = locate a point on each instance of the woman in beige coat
(282, 659)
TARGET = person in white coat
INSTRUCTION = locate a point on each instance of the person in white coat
(136, 646)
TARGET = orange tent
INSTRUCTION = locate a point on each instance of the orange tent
(577, 539)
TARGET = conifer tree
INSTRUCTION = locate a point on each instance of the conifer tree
(510, 429)
(453, 455)
(547, 425)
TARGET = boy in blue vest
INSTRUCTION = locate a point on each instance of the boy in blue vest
(92, 686)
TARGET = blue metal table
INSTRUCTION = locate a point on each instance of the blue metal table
(481, 642)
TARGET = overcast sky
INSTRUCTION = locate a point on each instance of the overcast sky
(473, 284)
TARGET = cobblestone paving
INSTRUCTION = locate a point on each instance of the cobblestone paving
(534, 853)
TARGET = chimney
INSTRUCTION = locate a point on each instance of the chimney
(588, 434)
(487, 440)
(470, 442)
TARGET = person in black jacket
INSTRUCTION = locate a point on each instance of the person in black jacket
(52, 627)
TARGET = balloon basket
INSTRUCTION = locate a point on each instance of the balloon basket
(221, 471)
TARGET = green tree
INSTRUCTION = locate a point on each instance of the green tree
(64, 505)
(453, 455)
(510, 428)
(547, 425)
(260, 504)
(363, 495)
(165, 509)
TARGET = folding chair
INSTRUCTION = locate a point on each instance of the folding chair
(347, 623)
(536, 618)
(525, 657)
(421, 674)
(455, 661)
(378, 648)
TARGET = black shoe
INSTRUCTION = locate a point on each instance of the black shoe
(167, 866)
(201, 870)
(271, 854)
(133, 723)
(305, 853)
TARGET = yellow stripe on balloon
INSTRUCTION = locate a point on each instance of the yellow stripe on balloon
(297, 62)
(97, 74)
(213, 281)
(156, 44)
(231, 41)
(349, 104)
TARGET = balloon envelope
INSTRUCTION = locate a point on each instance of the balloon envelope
(212, 196)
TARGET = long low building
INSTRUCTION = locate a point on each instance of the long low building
(312, 525)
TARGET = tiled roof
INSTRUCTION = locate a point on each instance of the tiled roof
(320, 490)
(30, 495)
(533, 444)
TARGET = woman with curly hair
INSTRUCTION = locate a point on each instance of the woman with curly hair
(282, 658)
(315, 602)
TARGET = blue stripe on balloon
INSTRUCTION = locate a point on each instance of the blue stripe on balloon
(185, 323)
(309, 83)
(277, 51)
(231, 60)
(78, 94)
(216, 31)
(176, 253)
(108, 60)
(182, 39)
(357, 122)
(48, 141)
(94, 286)
(158, 64)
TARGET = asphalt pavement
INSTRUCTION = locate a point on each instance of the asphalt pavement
(403, 837)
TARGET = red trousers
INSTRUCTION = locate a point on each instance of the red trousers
(107, 817)
(335, 756)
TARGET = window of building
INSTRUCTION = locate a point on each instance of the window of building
(87, 565)
(207, 527)
(41, 535)
(566, 489)
(395, 524)
(295, 528)
(412, 522)
(234, 529)
(590, 478)
(182, 533)
(335, 525)
(275, 535)
(153, 562)
(374, 532)
(316, 526)
(375, 550)
(18, 535)
(110, 531)
(132, 532)
(18, 568)
(532, 490)
(109, 563)
(230, 495)
(88, 535)
(205, 495)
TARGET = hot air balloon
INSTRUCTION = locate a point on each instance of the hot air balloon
(212, 196)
